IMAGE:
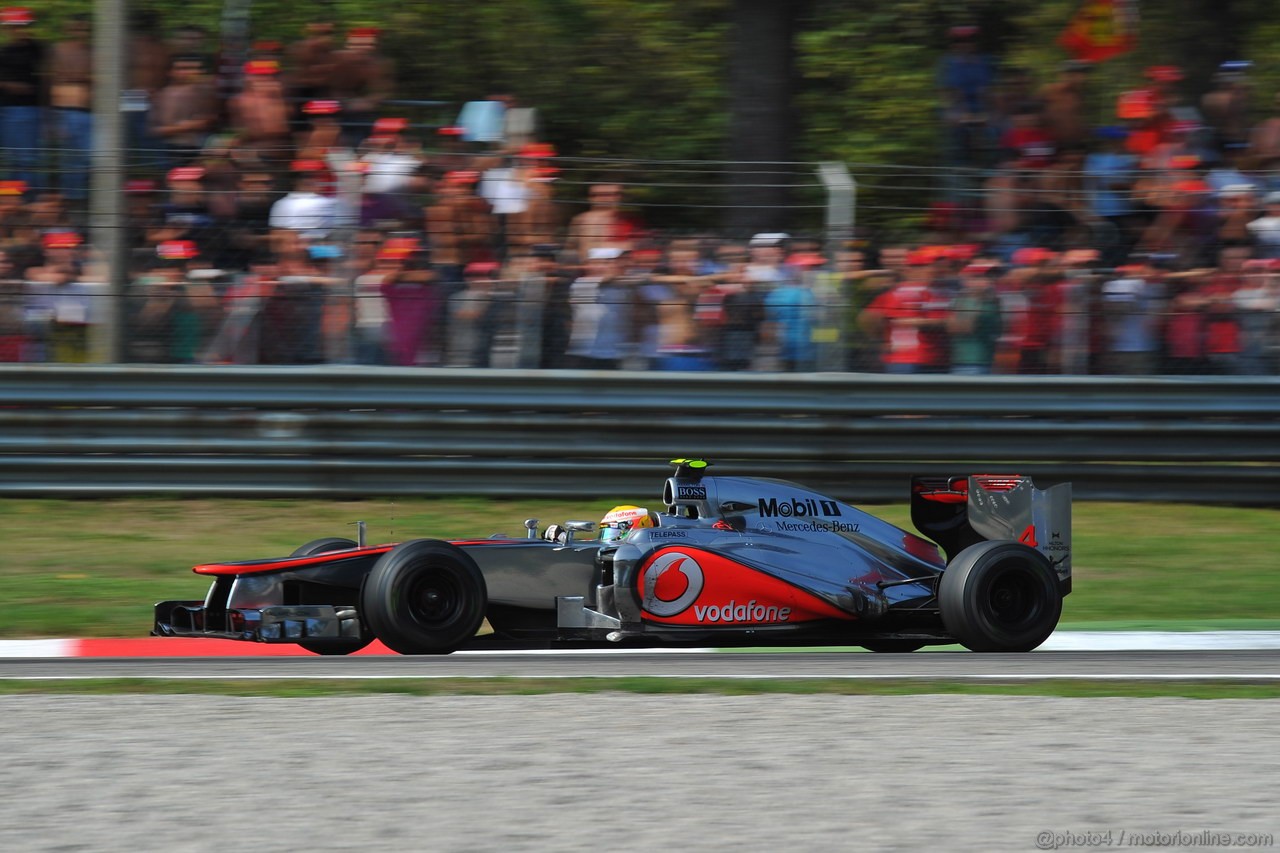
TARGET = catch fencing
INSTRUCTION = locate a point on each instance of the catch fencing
(356, 431)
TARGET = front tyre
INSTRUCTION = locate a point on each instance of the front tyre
(338, 645)
(1000, 597)
(424, 597)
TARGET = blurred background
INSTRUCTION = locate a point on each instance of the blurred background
(925, 187)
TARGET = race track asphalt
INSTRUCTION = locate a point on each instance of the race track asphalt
(1259, 665)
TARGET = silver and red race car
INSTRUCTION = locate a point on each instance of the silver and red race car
(730, 561)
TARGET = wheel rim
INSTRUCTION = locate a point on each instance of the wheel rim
(1013, 601)
(434, 599)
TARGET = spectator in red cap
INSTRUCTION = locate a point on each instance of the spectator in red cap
(21, 94)
(60, 303)
(304, 211)
(473, 316)
(361, 82)
(459, 228)
(260, 115)
(911, 319)
(312, 62)
(974, 324)
(171, 313)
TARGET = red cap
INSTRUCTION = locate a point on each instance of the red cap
(963, 32)
(1136, 104)
(185, 173)
(1031, 256)
(962, 251)
(979, 268)
(363, 32)
(389, 126)
(923, 256)
(13, 187)
(537, 150)
(1080, 256)
(321, 108)
(61, 239)
(1191, 187)
(1163, 73)
(398, 247)
(138, 186)
(480, 268)
(451, 130)
(806, 259)
(16, 16)
(177, 250)
(261, 67)
(461, 177)
(308, 166)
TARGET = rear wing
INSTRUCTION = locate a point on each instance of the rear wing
(957, 512)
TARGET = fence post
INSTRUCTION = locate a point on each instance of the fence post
(106, 199)
(842, 198)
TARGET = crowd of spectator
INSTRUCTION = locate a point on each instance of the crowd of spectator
(289, 218)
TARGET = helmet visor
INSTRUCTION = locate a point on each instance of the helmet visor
(613, 534)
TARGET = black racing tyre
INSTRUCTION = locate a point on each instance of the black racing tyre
(892, 646)
(322, 546)
(340, 645)
(424, 597)
(1000, 597)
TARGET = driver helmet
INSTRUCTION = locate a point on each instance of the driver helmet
(621, 520)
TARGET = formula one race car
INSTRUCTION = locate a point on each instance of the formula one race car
(731, 561)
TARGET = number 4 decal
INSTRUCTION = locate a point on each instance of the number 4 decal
(1028, 536)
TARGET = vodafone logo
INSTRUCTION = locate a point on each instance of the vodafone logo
(671, 583)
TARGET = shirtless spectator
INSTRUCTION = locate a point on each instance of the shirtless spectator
(71, 96)
(261, 116)
(21, 93)
(311, 66)
(361, 82)
(184, 111)
(459, 227)
(539, 222)
(1264, 141)
(1226, 106)
(603, 226)
(147, 73)
(1064, 105)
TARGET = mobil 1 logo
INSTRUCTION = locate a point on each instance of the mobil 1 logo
(797, 508)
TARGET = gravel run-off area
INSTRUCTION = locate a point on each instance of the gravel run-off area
(622, 772)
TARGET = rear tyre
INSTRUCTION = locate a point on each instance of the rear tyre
(341, 645)
(892, 646)
(424, 597)
(1000, 597)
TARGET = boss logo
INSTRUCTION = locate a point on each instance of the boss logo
(691, 493)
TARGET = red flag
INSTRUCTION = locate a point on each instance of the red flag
(1101, 29)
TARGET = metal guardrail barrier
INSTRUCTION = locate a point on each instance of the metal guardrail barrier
(347, 431)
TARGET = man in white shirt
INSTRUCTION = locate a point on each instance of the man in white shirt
(305, 211)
